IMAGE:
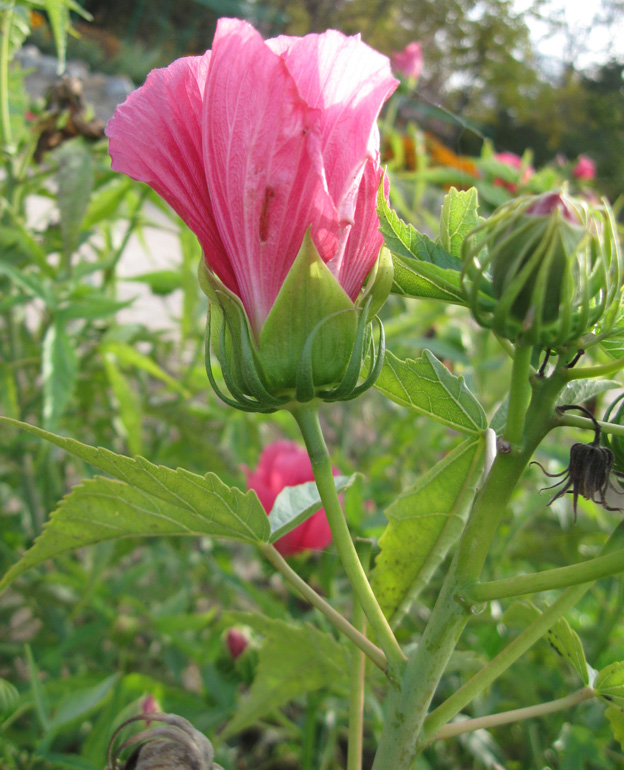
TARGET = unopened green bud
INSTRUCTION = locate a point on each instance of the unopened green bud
(543, 270)
(314, 343)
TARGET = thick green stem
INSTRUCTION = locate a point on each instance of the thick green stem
(334, 617)
(308, 421)
(513, 651)
(519, 395)
(562, 577)
(357, 672)
(516, 715)
(501, 662)
(407, 708)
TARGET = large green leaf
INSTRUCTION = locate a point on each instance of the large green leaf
(294, 505)
(104, 509)
(294, 660)
(609, 684)
(426, 386)
(424, 522)
(195, 504)
(459, 216)
(59, 371)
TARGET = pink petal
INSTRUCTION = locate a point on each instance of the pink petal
(348, 82)
(258, 136)
(365, 241)
(286, 464)
(155, 137)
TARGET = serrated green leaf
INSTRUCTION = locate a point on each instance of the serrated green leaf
(404, 240)
(59, 370)
(609, 684)
(105, 509)
(616, 720)
(567, 643)
(75, 182)
(228, 512)
(459, 216)
(294, 505)
(426, 386)
(579, 391)
(424, 522)
(294, 660)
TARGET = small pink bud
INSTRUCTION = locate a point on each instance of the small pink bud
(149, 705)
(236, 643)
(409, 61)
(585, 168)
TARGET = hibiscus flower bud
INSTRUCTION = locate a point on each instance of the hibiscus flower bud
(585, 168)
(236, 643)
(543, 270)
(286, 464)
(269, 150)
(409, 62)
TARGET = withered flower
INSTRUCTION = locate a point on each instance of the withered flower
(176, 745)
(588, 473)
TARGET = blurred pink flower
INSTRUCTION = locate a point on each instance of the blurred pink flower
(255, 142)
(409, 61)
(515, 161)
(585, 168)
(286, 464)
(236, 642)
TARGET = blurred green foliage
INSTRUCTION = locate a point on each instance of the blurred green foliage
(84, 639)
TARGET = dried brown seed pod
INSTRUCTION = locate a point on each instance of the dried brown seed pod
(175, 745)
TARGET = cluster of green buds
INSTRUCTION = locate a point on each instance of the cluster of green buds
(315, 342)
(544, 270)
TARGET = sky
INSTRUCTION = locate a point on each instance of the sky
(590, 44)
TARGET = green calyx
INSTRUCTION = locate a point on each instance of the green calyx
(551, 268)
(313, 343)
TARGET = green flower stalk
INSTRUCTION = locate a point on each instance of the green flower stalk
(544, 270)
